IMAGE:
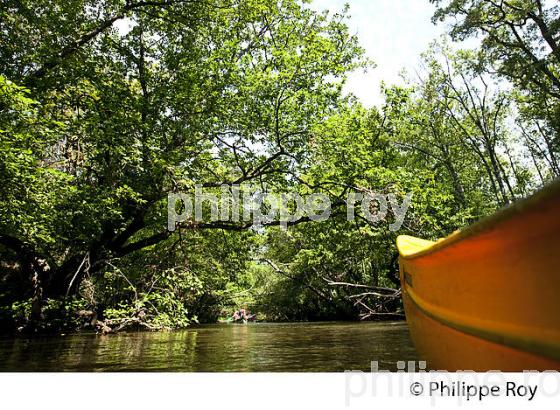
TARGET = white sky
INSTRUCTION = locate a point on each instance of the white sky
(393, 33)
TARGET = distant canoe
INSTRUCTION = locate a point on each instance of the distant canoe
(249, 318)
(488, 297)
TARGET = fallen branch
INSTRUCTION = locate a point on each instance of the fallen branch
(86, 258)
(380, 295)
(358, 285)
(382, 314)
(117, 325)
(396, 294)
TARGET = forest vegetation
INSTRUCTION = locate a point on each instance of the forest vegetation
(99, 123)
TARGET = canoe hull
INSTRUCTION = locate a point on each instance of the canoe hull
(488, 298)
(445, 348)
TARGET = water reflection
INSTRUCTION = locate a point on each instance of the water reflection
(253, 347)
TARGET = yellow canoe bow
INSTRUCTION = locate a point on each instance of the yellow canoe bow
(488, 297)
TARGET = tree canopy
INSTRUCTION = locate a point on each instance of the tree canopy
(108, 106)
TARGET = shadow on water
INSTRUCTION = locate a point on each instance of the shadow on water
(290, 347)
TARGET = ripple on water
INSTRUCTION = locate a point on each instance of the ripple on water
(287, 347)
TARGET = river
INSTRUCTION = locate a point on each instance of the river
(272, 347)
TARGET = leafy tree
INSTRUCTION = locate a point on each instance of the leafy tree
(207, 92)
(108, 106)
(519, 37)
(521, 43)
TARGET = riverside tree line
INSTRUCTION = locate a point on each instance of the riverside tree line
(108, 106)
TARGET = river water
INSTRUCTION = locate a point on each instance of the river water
(273, 347)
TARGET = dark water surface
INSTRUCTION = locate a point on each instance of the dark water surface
(288, 347)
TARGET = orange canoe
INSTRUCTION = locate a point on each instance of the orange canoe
(488, 297)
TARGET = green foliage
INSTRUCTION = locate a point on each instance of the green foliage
(110, 121)
(29, 192)
(59, 315)
(519, 43)
(99, 124)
